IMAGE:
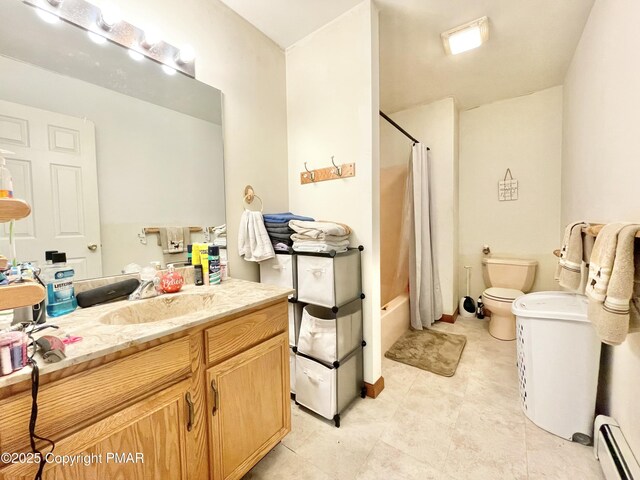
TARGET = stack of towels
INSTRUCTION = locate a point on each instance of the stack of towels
(277, 225)
(319, 237)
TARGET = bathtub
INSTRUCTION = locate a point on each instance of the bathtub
(395, 320)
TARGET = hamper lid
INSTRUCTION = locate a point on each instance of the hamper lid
(552, 305)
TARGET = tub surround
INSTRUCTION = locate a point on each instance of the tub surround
(211, 381)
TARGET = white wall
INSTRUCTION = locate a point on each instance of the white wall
(249, 68)
(332, 100)
(601, 170)
(436, 126)
(525, 135)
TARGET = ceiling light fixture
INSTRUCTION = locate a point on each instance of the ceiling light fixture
(466, 37)
(55, 3)
(168, 70)
(137, 56)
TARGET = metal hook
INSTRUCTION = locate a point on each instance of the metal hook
(337, 170)
(312, 175)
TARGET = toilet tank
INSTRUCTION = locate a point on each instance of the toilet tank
(504, 272)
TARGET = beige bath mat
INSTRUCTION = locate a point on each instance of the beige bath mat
(429, 350)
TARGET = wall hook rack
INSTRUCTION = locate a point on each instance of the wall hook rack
(334, 172)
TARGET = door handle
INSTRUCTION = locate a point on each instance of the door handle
(214, 389)
(92, 246)
(190, 418)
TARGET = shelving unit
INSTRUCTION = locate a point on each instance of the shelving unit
(326, 374)
(23, 294)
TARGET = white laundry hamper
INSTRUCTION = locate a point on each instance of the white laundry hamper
(558, 359)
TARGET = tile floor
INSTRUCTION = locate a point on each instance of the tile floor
(424, 426)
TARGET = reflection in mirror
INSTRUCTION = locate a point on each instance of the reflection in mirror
(105, 146)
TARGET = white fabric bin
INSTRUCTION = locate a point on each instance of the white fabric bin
(329, 281)
(295, 318)
(330, 336)
(279, 271)
(558, 359)
(328, 390)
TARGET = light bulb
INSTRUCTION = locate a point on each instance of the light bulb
(137, 56)
(95, 38)
(151, 38)
(109, 17)
(168, 70)
(47, 16)
(186, 55)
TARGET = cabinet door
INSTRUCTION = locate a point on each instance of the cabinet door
(145, 441)
(249, 407)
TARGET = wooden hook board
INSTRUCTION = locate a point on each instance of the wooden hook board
(328, 173)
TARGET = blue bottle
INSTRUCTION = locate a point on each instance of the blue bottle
(61, 298)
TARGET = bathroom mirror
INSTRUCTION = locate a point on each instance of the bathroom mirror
(105, 145)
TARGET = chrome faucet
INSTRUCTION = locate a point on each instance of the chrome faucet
(147, 289)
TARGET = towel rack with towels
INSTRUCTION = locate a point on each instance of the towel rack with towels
(142, 237)
(593, 230)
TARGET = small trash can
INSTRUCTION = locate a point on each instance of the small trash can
(558, 358)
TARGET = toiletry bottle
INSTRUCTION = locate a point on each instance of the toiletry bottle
(480, 309)
(197, 265)
(224, 270)
(61, 297)
(204, 260)
(6, 182)
(189, 254)
(214, 265)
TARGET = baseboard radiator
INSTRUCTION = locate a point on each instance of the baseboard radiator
(613, 451)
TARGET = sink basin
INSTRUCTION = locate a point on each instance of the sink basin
(165, 307)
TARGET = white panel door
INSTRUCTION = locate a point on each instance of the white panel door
(54, 169)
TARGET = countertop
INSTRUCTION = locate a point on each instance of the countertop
(100, 339)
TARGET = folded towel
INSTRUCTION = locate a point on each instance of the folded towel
(601, 262)
(253, 241)
(174, 239)
(297, 237)
(279, 236)
(611, 317)
(281, 247)
(284, 217)
(276, 224)
(571, 267)
(283, 229)
(319, 247)
(319, 229)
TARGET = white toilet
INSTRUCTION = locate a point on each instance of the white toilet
(507, 279)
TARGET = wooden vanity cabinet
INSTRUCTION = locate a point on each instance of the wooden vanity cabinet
(157, 401)
(248, 407)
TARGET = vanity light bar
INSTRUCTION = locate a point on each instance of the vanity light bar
(107, 23)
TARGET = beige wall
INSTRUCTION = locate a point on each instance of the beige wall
(332, 105)
(436, 125)
(601, 169)
(525, 135)
(249, 68)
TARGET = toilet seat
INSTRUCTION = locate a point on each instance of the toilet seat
(506, 295)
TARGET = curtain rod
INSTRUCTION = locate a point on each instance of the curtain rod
(404, 132)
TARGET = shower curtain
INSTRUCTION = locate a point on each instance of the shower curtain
(424, 283)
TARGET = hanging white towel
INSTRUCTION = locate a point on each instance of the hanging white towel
(253, 240)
